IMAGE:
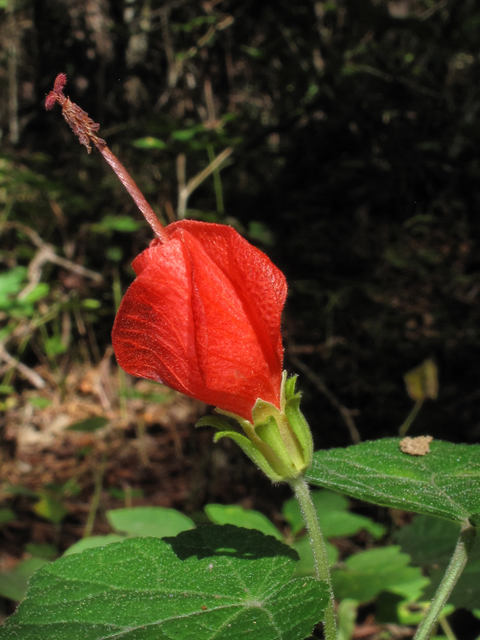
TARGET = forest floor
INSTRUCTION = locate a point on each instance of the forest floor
(93, 440)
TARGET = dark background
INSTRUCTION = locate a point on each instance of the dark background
(354, 127)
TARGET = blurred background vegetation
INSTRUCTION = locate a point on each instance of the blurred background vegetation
(350, 132)
(339, 136)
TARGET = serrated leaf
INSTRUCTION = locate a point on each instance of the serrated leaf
(212, 582)
(335, 519)
(431, 542)
(149, 521)
(444, 482)
(236, 515)
(368, 573)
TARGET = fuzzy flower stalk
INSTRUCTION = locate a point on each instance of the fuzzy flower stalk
(203, 317)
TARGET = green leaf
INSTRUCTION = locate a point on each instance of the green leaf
(369, 573)
(430, 543)
(444, 482)
(114, 253)
(149, 521)
(91, 303)
(45, 551)
(39, 403)
(236, 515)
(110, 223)
(149, 143)
(422, 382)
(11, 283)
(212, 582)
(183, 135)
(89, 424)
(39, 292)
(306, 565)
(92, 542)
(335, 519)
(54, 346)
(6, 389)
(50, 508)
(6, 516)
(347, 615)
(13, 584)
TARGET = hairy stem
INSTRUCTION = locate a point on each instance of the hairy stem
(302, 493)
(452, 574)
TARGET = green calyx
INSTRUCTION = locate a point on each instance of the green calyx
(278, 441)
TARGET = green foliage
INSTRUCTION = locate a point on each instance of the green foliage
(149, 521)
(430, 543)
(240, 517)
(89, 424)
(6, 515)
(92, 542)
(220, 580)
(13, 584)
(50, 508)
(149, 143)
(444, 482)
(371, 572)
(11, 284)
(335, 519)
(110, 223)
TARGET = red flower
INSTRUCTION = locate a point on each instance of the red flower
(203, 317)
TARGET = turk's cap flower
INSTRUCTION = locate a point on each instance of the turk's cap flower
(278, 441)
(203, 317)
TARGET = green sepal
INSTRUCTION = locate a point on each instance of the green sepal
(217, 423)
(299, 425)
(289, 387)
(252, 452)
(278, 440)
(269, 432)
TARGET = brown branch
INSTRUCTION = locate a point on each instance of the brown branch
(34, 379)
(46, 253)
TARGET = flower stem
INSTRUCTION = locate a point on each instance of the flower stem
(302, 493)
(452, 574)
(87, 132)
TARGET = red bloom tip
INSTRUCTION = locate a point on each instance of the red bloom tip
(56, 95)
(82, 126)
(60, 82)
(50, 100)
(203, 317)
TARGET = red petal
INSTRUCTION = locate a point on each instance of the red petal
(203, 316)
